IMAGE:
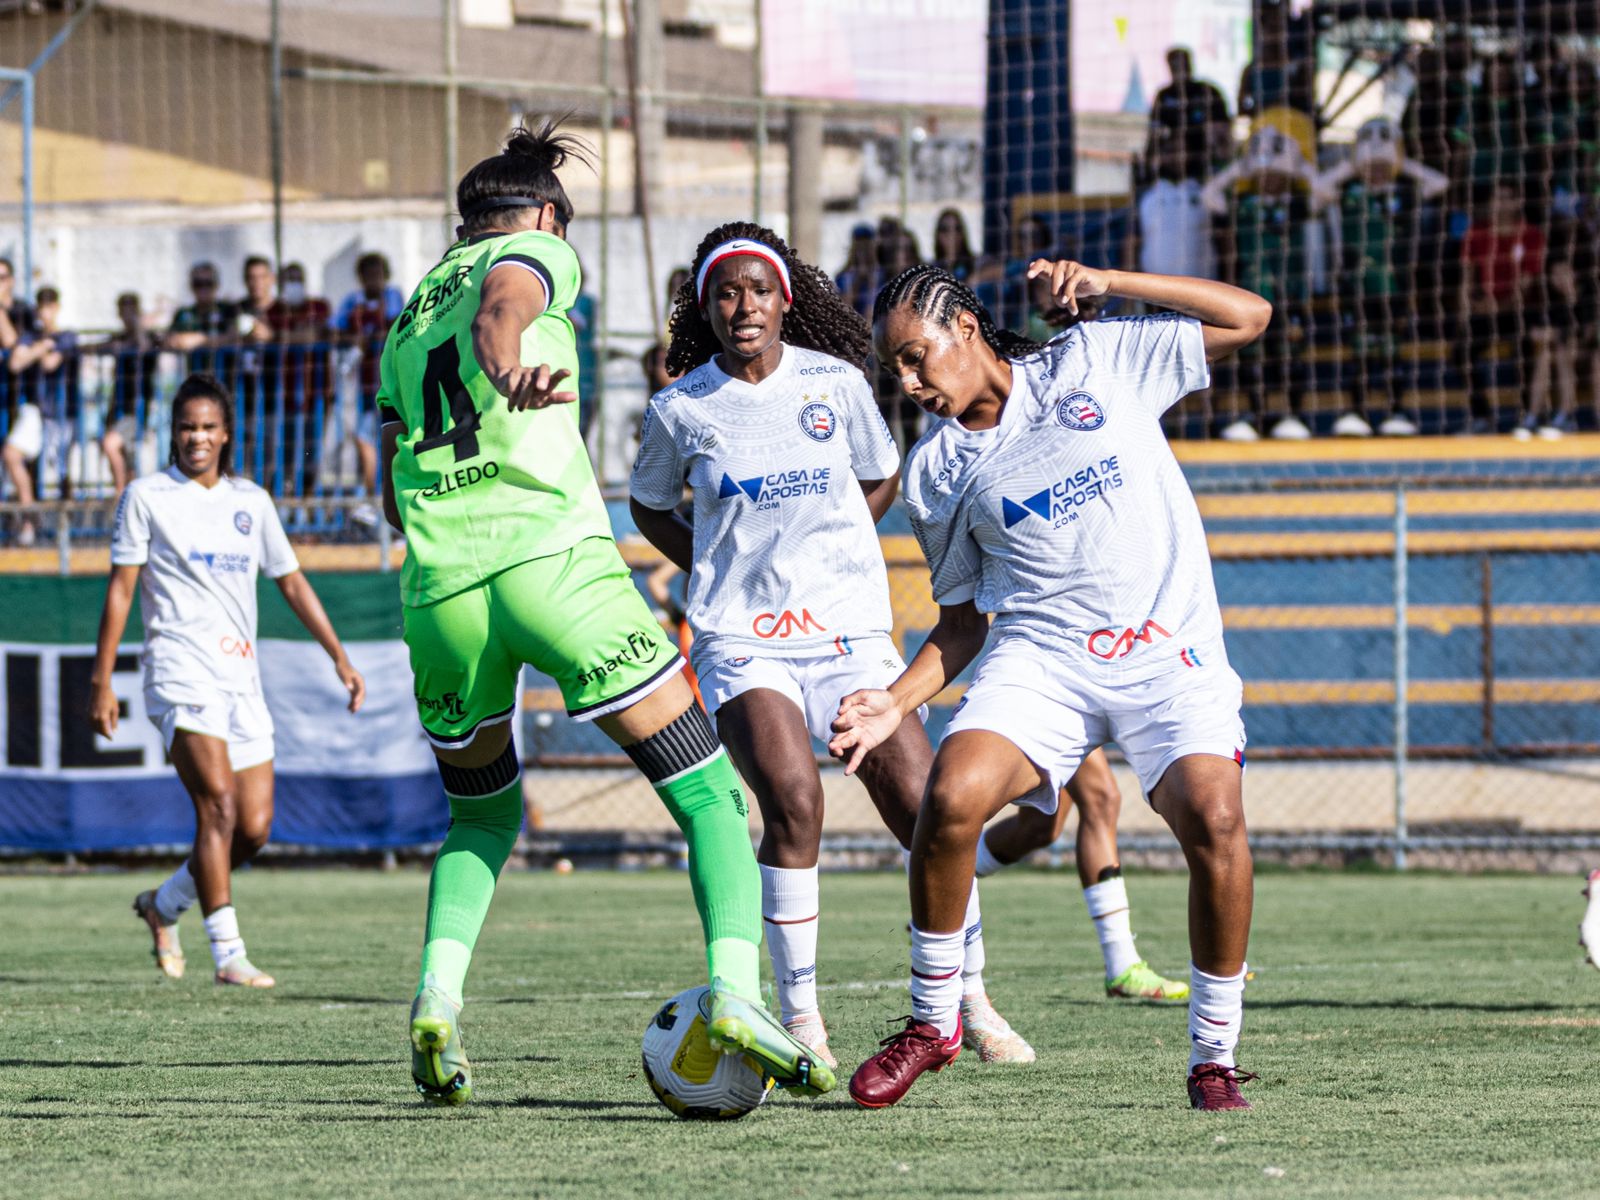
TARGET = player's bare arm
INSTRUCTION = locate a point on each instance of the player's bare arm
(302, 600)
(667, 532)
(104, 707)
(868, 718)
(880, 494)
(512, 300)
(1231, 317)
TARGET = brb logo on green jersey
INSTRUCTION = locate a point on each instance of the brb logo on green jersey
(442, 295)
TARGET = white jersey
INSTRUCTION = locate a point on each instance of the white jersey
(786, 556)
(200, 549)
(1071, 519)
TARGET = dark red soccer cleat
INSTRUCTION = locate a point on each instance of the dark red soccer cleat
(888, 1075)
(1214, 1087)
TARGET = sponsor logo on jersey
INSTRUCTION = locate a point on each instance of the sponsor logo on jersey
(219, 563)
(442, 295)
(770, 491)
(740, 661)
(241, 522)
(786, 625)
(817, 421)
(640, 650)
(1111, 644)
(1060, 503)
(448, 705)
(1081, 411)
(233, 647)
(824, 369)
(461, 477)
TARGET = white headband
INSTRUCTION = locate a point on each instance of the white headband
(735, 248)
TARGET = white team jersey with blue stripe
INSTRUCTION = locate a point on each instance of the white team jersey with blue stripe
(786, 556)
(1071, 519)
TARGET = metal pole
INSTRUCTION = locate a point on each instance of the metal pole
(27, 184)
(1402, 678)
(602, 312)
(905, 166)
(452, 115)
(759, 182)
(277, 134)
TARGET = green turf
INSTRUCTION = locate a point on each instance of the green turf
(1424, 1036)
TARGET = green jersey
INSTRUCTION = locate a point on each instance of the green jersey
(481, 488)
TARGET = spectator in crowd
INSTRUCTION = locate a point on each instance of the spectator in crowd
(1266, 197)
(44, 364)
(1497, 132)
(1551, 319)
(860, 277)
(899, 251)
(298, 377)
(200, 327)
(296, 316)
(1172, 225)
(1379, 195)
(260, 286)
(135, 351)
(1283, 72)
(16, 316)
(1438, 111)
(1504, 258)
(1189, 125)
(952, 248)
(363, 321)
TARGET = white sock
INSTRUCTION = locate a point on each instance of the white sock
(222, 927)
(177, 893)
(1108, 905)
(974, 958)
(1216, 1014)
(789, 912)
(936, 978)
(988, 864)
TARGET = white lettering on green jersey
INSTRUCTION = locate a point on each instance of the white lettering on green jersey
(481, 488)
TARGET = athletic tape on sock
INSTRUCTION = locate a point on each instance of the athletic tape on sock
(471, 782)
(680, 746)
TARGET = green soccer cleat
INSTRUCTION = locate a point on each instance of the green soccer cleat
(439, 1065)
(1139, 982)
(735, 1025)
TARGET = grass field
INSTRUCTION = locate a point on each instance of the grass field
(1424, 1036)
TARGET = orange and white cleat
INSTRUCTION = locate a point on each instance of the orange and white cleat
(808, 1030)
(990, 1034)
(168, 953)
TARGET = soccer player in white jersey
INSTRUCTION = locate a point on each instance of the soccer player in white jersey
(1047, 494)
(776, 431)
(193, 538)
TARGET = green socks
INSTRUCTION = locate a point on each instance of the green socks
(708, 804)
(483, 829)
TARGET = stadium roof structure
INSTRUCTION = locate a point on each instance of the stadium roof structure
(391, 42)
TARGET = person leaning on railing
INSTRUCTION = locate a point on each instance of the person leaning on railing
(43, 365)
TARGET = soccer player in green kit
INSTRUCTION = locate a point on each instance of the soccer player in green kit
(510, 560)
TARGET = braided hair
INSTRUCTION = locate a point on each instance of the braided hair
(818, 318)
(934, 294)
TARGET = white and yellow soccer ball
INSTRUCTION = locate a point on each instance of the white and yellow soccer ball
(693, 1078)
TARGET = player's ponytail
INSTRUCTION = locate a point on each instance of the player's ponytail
(523, 175)
(200, 386)
(934, 294)
(818, 317)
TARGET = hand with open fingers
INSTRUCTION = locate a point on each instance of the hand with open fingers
(866, 720)
(533, 387)
(1070, 280)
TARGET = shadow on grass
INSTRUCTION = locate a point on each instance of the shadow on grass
(1421, 1005)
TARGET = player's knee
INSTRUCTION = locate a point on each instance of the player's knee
(1214, 823)
(251, 831)
(795, 821)
(950, 809)
(217, 809)
(484, 796)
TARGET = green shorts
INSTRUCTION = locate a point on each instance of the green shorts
(575, 616)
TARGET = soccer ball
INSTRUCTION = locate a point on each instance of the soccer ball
(688, 1074)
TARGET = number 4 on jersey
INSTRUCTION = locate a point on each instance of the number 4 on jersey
(441, 378)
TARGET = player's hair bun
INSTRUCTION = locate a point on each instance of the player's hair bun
(522, 175)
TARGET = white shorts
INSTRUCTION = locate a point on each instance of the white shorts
(43, 439)
(240, 719)
(1057, 717)
(816, 685)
